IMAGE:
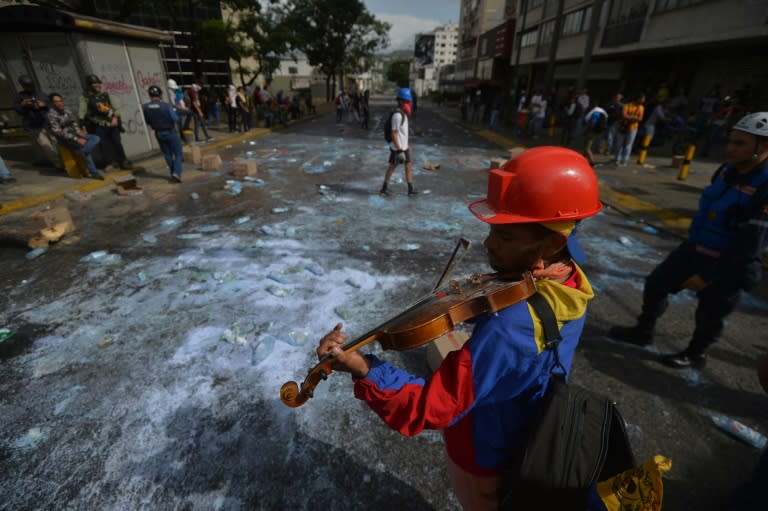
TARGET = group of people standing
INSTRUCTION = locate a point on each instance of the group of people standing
(354, 105)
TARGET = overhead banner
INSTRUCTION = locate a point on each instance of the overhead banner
(424, 51)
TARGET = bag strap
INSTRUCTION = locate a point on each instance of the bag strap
(552, 335)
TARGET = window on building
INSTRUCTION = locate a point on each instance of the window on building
(547, 30)
(529, 38)
(532, 4)
(668, 5)
(577, 21)
(293, 70)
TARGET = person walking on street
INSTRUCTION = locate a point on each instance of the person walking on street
(196, 111)
(399, 150)
(33, 106)
(611, 135)
(162, 118)
(68, 132)
(366, 108)
(721, 256)
(631, 116)
(100, 116)
(484, 395)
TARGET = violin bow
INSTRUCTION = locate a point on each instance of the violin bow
(452, 262)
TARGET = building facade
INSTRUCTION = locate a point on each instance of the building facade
(642, 45)
(433, 51)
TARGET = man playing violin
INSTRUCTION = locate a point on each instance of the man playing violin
(483, 395)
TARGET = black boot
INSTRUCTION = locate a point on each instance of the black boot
(689, 357)
(640, 335)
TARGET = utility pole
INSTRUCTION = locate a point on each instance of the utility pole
(597, 7)
(550, 77)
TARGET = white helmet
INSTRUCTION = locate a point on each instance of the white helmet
(172, 84)
(756, 124)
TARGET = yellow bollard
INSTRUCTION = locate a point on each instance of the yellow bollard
(643, 154)
(551, 127)
(683, 174)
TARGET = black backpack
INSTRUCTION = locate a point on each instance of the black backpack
(388, 125)
(578, 438)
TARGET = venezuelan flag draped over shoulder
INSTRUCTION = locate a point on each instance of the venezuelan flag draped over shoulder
(638, 489)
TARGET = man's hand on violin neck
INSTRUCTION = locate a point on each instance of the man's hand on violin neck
(350, 361)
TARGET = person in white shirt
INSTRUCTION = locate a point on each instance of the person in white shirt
(399, 150)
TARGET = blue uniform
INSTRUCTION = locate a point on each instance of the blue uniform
(724, 246)
(163, 119)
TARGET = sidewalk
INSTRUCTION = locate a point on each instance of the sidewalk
(36, 184)
(650, 193)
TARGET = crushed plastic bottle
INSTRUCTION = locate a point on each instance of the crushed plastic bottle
(102, 257)
(254, 180)
(194, 196)
(740, 431)
(37, 252)
(261, 350)
(298, 337)
(241, 220)
(625, 241)
(280, 292)
(649, 229)
(233, 187)
(352, 282)
(410, 247)
(149, 238)
(232, 335)
(5, 333)
(277, 211)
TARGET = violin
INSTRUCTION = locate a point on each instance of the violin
(429, 318)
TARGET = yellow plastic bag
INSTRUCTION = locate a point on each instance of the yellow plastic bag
(638, 489)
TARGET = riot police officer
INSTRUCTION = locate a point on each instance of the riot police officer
(101, 117)
(163, 119)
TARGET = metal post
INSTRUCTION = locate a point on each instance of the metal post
(689, 153)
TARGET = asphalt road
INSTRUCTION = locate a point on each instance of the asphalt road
(148, 378)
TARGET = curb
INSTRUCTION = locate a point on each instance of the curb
(150, 162)
(623, 203)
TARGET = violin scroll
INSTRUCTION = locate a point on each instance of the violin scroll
(292, 396)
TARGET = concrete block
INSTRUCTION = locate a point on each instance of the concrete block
(74, 163)
(211, 162)
(440, 347)
(192, 154)
(127, 185)
(497, 163)
(242, 168)
(515, 152)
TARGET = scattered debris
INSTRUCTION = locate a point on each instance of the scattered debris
(740, 431)
(127, 186)
(191, 154)
(431, 166)
(625, 241)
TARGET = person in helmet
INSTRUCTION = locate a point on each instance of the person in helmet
(399, 150)
(33, 106)
(721, 255)
(162, 118)
(485, 394)
(101, 116)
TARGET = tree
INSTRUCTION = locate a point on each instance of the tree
(261, 36)
(337, 35)
(399, 71)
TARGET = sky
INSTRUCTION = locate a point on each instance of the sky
(409, 17)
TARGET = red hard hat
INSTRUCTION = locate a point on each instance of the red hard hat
(543, 184)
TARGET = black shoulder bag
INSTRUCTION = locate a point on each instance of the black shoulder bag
(578, 438)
